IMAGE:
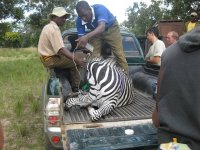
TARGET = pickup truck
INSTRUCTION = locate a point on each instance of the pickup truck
(127, 127)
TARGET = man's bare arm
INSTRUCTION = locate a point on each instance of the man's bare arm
(69, 55)
(82, 41)
(154, 60)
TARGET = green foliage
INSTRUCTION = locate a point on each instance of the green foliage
(18, 108)
(22, 76)
(4, 27)
(141, 17)
(35, 106)
(26, 40)
(12, 39)
(36, 21)
(12, 8)
(182, 8)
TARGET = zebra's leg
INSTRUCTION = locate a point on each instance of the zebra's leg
(98, 113)
(81, 100)
(71, 102)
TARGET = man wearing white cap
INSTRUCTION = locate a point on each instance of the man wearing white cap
(51, 47)
(189, 25)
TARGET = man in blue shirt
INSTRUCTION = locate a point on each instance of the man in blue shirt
(103, 26)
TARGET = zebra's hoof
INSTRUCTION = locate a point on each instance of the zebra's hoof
(66, 107)
(92, 113)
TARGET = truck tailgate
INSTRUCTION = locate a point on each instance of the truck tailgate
(115, 138)
(109, 133)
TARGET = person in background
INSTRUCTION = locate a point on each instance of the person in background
(51, 47)
(104, 28)
(1, 137)
(157, 47)
(172, 37)
(192, 23)
(178, 96)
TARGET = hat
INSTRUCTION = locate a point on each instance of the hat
(193, 14)
(59, 12)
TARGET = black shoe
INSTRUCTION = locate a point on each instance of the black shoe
(75, 89)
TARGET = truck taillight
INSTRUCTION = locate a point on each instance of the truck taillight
(53, 120)
(55, 139)
(53, 111)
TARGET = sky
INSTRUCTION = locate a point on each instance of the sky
(117, 7)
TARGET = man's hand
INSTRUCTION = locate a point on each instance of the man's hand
(85, 51)
(81, 62)
(68, 54)
(82, 41)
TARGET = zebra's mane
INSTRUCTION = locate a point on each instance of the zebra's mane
(110, 61)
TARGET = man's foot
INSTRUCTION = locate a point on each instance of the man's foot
(75, 89)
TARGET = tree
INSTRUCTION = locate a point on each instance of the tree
(4, 27)
(39, 17)
(11, 9)
(182, 8)
(13, 39)
(141, 16)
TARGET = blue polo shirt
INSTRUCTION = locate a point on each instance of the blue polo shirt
(99, 14)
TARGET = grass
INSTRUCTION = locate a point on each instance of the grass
(22, 76)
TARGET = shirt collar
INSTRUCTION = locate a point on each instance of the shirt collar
(93, 17)
(52, 22)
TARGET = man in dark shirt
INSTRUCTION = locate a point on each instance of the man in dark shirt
(178, 100)
(104, 28)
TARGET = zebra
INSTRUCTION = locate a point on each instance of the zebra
(110, 87)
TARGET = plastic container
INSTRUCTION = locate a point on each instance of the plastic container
(89, 47)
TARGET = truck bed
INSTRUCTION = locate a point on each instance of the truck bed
(140, 109)
(109, 133)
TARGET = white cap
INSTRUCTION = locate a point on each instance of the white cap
(59, 12)
(193, 14)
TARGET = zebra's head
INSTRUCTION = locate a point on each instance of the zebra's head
(92, 67)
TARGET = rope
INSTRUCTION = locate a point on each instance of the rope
(73, 59)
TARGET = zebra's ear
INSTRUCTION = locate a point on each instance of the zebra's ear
(88, 66)
(97, 59)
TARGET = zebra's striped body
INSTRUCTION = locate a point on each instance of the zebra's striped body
(110, 87)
